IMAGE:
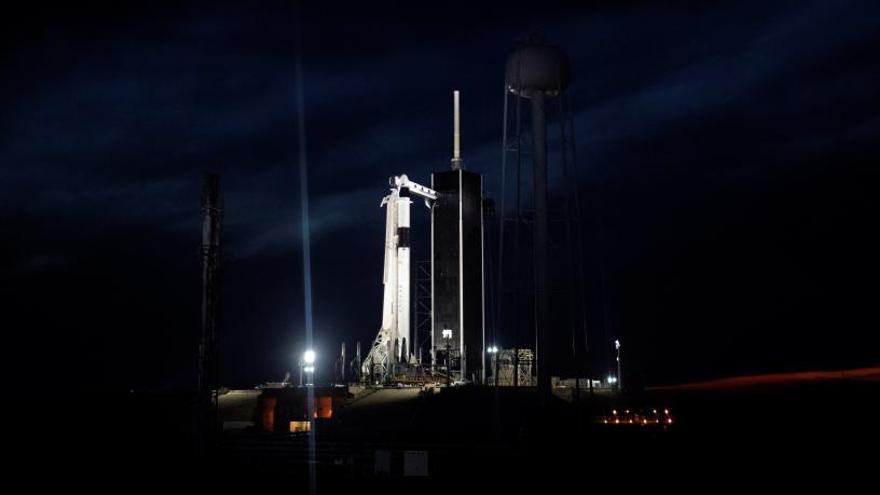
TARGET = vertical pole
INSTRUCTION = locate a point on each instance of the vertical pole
(619, 377)
(516, 366)
(208, 347)
(358, 360)
(497, 405)
(456, 133)
(542, 327)
(517, 236)
(448, 360)
(573, 282)
(499, 289)
(462, 372)
(343, 364)
(414, 304)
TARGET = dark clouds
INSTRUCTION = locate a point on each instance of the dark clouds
(729, 149)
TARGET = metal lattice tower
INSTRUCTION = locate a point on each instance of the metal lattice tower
(422, 309)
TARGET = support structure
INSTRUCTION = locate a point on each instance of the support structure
(541, 241)
(208, 367)
(458, 295)
(537, 73)
(457, 278)
(422, 309)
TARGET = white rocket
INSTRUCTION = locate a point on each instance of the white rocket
(393, 343)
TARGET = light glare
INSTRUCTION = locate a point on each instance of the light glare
(309, 357)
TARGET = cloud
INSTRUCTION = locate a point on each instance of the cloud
(793, 43)
(329, 213)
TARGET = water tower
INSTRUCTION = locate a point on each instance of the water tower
(536, 79)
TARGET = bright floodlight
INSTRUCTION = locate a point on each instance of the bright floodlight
(309, 357)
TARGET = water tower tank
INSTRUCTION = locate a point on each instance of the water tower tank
(537, 67)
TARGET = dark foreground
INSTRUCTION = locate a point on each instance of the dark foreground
(791, 434)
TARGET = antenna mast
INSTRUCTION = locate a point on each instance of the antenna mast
(456, 133)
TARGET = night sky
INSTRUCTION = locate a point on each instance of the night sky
(729, 151)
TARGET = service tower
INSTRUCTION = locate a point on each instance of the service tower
(458, 324)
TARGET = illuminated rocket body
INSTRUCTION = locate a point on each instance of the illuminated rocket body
(394, 342)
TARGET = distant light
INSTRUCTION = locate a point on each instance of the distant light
(298, 426)
(669, 420)
(655, 411)
(666, 412)
(447, 333)
(611, 379)
(309, 357)
(616, 344)
(614, 412)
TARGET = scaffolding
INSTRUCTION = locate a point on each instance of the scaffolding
(515, 367)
